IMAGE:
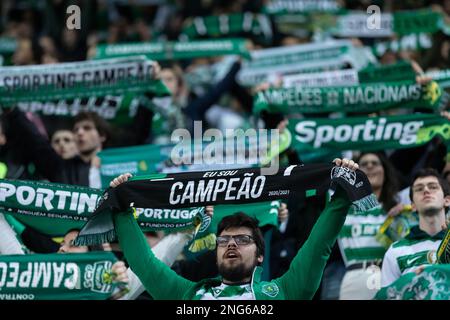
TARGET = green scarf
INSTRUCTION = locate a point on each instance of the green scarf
(148, 159)
(392, 72)
(355, 23)
(357, 98)
(229, 25)
(78, 80)
(362, 133)
(313, 57)
(433, 283)
(54, 209)
(348, 77)
(73, 276)
(413, 42)
(281, 7)
(119, 109)
(174, 50)
(7, 48)
(137, 160)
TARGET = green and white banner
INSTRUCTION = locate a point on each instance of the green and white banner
(78, 80)
(54, 209)
(442, 77)
(357, 98)
(174, 50)
(281, 7)
(333, 55)
(348, 77)
(356, 24)
(415, 41)
(433, 283)
(367, 25)
(148, 159)
(362, 133)
(137, 160)
(71, 276)
(119, 109)
(234, 24)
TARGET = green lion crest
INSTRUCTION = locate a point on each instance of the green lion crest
(270, 290)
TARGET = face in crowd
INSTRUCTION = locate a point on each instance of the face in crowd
(237, 254)
(428, 196)
(67, 244)
(371, 165)
(87, 137)
(63, 141)
(169, 78)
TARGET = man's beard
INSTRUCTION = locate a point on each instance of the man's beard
(235, 273)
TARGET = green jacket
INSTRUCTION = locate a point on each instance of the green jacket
(301, 281)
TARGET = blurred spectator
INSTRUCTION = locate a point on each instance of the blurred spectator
(63, 141)
(360, 249)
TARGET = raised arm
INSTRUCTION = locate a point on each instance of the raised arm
(303, 278)
(158, 279)
(36, 147)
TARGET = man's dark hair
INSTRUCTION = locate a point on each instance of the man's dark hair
(103, 127)
(430, 172)
(240, 219)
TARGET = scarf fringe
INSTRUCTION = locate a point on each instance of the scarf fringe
(367, 203)
(95, 239)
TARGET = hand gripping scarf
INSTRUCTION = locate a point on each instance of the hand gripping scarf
(220, 187)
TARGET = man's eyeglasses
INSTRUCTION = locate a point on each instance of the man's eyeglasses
(240, 239)
(433, 187)
(374, 163)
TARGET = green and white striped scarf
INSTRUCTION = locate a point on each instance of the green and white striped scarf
(72, 276)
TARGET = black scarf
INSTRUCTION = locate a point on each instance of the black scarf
(193, 189)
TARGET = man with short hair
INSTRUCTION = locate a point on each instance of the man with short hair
(91, 133)
(240, 251)
(430, 196)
